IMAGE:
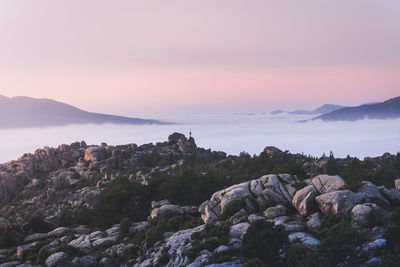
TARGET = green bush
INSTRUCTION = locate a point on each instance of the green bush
(36, 224)
(154, 234)
(124, 228)
(83, 216)
(299, 256)
(211, 237)
(392, 236)
(7, 238)
(340, 242)
(354, 174)
(263, 241)
(385, 175)
(254, 262)
(232, 208)
(121, 199)
(168, 222)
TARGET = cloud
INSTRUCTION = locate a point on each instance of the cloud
(230, 133)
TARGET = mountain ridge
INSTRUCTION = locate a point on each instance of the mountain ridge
(326, 108)
(388, 109)
(24, 112)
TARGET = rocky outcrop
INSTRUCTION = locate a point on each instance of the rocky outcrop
(325, 183)
(267, 191)
(338, 203)
(95, 153)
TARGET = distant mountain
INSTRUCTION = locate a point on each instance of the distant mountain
(23, 112)
(320, 110)
(389, 109)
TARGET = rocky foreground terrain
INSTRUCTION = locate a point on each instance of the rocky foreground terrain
(174, 204)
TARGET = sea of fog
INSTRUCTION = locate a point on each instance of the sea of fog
(232, 133)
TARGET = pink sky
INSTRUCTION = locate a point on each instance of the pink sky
(143, 57)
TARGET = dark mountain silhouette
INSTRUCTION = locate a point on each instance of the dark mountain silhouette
(22, 112)
(320, 110)
(389, 109)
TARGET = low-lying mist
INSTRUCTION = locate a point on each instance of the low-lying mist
(229, 133)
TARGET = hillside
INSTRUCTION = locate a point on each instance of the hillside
(23, 112)
(175, 204)
(389, 109)
(320, 110)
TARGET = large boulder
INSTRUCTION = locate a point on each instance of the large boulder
(95, 153)
(82, 242)
(303, 238)
(314, 221)
(338, 203)
(325, 183)
(59, 259)
(392, 195)
(397, 184)
(161, 207)
(373, 194)
(368, 215)
(273, 189)
(174, 138)
(272, 151)
(238, 230)
(213, 208)
(269, 190)
(304, 200)
(274, 212)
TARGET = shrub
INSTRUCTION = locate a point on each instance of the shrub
(354, 174)
(384, 176)
(211, 237)
(154, 234)
(168, 222)
(254, 262)
(7, 238)
(37, 224)
(232, 208)
(124, 228)
(392, 236)
(83, 215)
(121, 199)
(341, 241)
(298, 256)
(263, 241)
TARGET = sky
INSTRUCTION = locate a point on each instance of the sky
(148, 57)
